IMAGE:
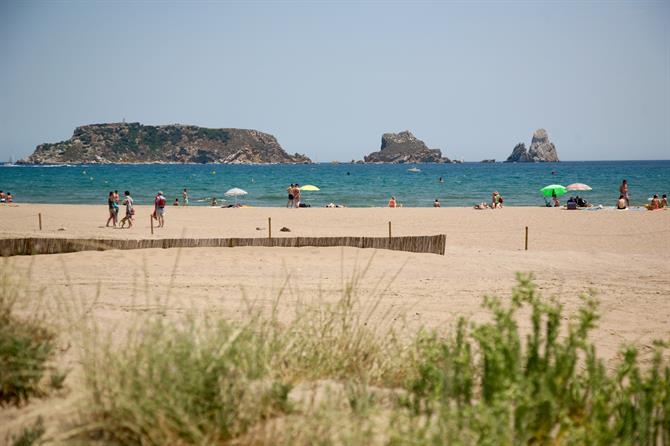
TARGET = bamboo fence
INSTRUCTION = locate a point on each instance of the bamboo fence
(433, 244)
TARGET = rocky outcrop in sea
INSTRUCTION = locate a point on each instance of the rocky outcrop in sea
(137, 143)
(541, 150)
(404, 147)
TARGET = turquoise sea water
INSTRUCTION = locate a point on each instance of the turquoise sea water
(354, 185)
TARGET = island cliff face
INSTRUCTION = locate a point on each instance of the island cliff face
(541, 150)
(404, 147)
(137, 143)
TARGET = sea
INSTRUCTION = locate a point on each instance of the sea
(351, 185)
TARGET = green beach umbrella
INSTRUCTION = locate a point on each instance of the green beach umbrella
(559, 190)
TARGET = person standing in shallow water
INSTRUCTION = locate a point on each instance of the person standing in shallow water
(184, 196)
(623, 190)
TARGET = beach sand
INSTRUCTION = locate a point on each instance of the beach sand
(624, 256)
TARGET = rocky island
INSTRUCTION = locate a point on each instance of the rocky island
(541, 150)
(137, 143)
(404, 147)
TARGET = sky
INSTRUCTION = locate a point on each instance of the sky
(329, 78)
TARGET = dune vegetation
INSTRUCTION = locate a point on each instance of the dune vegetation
(332, 376)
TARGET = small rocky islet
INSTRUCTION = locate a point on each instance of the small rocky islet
(541, 150)
(404, 147)
(134, 143)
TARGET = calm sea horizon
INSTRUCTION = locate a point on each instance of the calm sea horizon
(352, 185)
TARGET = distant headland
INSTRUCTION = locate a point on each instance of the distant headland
(136, 143)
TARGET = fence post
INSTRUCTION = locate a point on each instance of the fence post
(389, 231)
(39, 217)
(526, 238)
(151, 218)
(270, 228)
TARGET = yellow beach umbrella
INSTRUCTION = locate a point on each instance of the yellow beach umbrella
(309, 187)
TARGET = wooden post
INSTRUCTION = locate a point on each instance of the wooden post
(39, 217)
(270, 228)
(389, 231)
(151, 217)
(526, 238)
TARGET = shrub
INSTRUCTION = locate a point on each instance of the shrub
(26, 346)
(546, 389)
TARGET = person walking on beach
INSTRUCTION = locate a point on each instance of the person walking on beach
(184, 196)
(116, 208)
(159, 208)
(623, 190)
(289, 189)
(130, 210)
(113, 210)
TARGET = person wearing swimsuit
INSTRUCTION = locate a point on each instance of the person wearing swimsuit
(623, 190)
(296, 195)
(289, 189)
(113, 209)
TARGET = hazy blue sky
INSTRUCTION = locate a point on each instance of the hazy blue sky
(328, 78)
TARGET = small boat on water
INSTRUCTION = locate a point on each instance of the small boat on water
(413, 170)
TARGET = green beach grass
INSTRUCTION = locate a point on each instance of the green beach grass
(331, 376)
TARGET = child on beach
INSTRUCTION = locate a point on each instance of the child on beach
(436, 203)
(130, 210)
(392, 202)
(176, 202)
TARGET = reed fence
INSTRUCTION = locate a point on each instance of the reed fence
(432, 244)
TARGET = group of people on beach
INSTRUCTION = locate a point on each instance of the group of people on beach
(113, 202)
(6, 197)
(654, 204)
(293, 196)
(497, 201)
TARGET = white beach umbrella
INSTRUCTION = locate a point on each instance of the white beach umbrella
(235, 192)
